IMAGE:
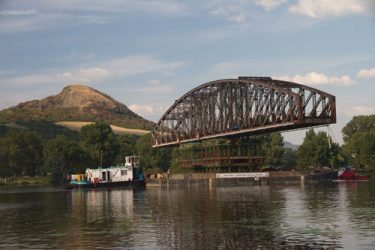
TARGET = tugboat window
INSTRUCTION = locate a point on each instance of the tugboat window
(123, 172)
(104, 176)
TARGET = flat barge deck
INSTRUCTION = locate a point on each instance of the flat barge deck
(251, 178)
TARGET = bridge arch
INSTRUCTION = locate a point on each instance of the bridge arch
(243, 106)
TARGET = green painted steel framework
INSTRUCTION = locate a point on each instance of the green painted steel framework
(243, 106)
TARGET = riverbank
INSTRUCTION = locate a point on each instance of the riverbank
(26, 181)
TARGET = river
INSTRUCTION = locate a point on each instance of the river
(324, 216)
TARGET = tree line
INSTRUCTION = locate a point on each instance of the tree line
(319, 150)
(26, 153)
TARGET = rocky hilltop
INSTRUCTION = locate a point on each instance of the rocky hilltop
(76, 103)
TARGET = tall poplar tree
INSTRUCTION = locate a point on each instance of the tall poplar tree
(99, 142)
(274, 153)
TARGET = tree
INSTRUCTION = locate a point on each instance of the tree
(153, 159)
(63, 156)
(359, 138)
(126, 145)
(337, 156)
(21, 153)
(290, 158)
(99, 142)
(5, 169)
(3, 129)
(317, 150)
(361, 151)
(360, 123)
(275, 151)
(307, 151)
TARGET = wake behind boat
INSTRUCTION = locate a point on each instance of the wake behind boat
(126, 174)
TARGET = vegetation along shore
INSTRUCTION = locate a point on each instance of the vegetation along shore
(37, 149)
(27, 153)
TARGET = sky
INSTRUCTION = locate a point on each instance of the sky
(147, 54)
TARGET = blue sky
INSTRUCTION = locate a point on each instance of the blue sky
(147, 54)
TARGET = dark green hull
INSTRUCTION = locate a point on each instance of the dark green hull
(130, 184)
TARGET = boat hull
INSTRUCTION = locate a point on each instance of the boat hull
(356, 178)
(119, 184)
(351, 175)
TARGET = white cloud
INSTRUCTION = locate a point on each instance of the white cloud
(151, 111)
(161, 6)
(126, 66)
(157, 88)
(240, 18)
(142, 109)
(140, 64)
(366, 73)
(42, 14)
(156, 82)
(327, 8)
(237, 11)
(16, 25)
(20, 21)
(270, 4)
(92, 19)
(86, 75)
(314, 78)
(18, 12)
(231, 12)
(148, 110)
(360, 110)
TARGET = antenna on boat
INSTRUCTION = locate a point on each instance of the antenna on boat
(331, 135)
(101, 158)
(329, 138)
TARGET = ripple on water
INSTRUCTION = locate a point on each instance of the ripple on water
(256, 217)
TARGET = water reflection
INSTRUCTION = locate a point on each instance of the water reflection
(360, 201)
(310, 217)
(238, 217)
(336, 215)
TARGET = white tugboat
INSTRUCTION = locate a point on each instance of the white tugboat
(127, 174)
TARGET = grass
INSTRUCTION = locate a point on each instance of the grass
(26, 181)
(76, 126)
(14, 125)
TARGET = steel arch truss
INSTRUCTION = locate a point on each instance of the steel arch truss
(243, 106)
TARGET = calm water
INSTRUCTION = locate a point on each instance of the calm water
(330, 216)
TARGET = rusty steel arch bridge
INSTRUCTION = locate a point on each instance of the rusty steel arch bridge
(243, 106)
